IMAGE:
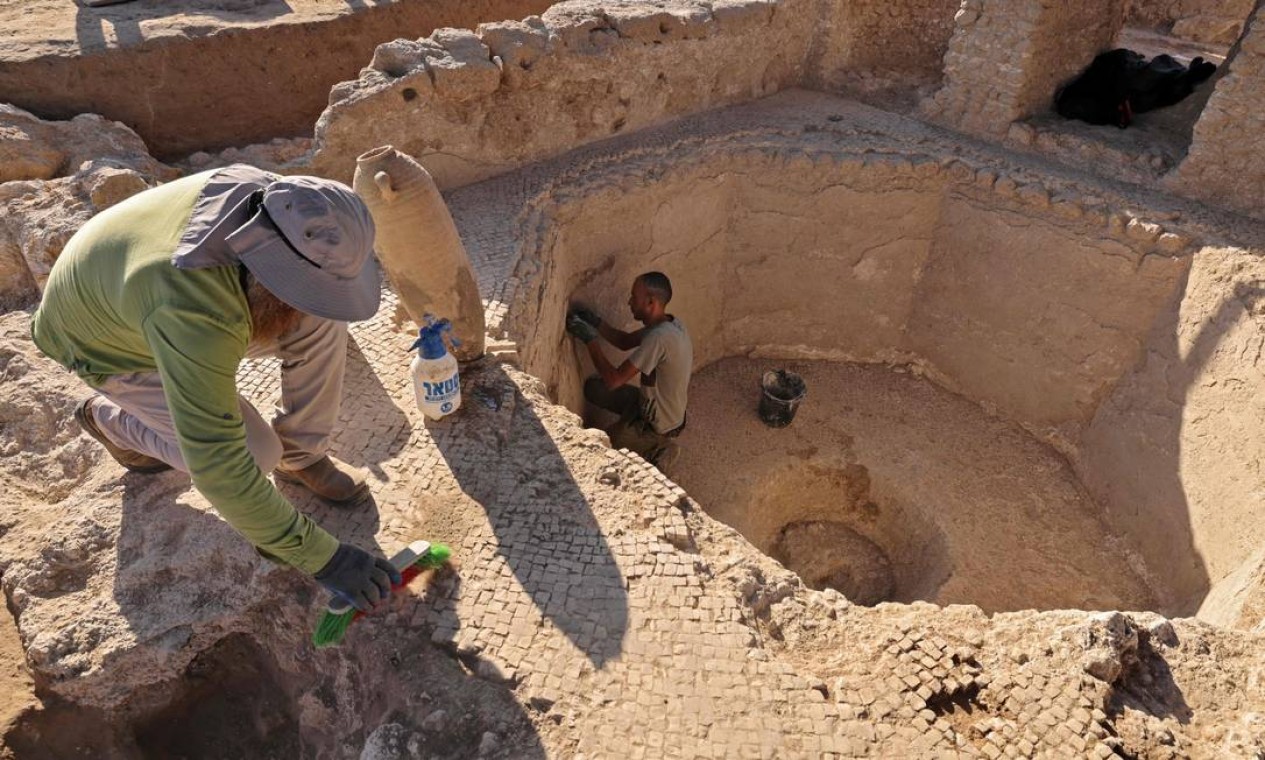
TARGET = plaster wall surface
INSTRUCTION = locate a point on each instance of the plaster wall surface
(1036, 315)
(1225, 165)
(1173, 450)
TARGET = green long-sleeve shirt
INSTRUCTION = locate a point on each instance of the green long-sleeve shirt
(115, 304)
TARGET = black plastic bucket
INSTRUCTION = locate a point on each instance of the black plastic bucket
(781, 392)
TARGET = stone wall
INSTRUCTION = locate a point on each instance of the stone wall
(1225, 164)
(1007, 59)
(473, 105)
(470, 105)
(1212, 21)
(874, 46)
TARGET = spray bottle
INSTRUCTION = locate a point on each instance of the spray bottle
(436, 384)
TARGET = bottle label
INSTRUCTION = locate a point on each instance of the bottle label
(442, 392)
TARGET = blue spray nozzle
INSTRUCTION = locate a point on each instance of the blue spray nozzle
(430, 339)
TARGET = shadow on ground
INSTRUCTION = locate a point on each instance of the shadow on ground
(504, 458)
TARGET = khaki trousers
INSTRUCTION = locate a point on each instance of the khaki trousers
(631, 431)
(133, 409)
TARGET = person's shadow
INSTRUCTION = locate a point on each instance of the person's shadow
(181, 573)
(181, 565)
(1134, 445)
(504, 458)
(372, 428)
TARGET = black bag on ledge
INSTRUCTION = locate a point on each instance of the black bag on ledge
(1121, 83)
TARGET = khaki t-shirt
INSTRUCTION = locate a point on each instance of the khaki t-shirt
(664, 358)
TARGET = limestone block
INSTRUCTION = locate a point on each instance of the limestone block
(738, 15)
(580, 27)
(398, 57)
(24, 156)
(107, 185)
(467, 72)
(1110, 641)
(38, 217)
(647, 23)
(1214, 29)
(32, 148)
(517, 43)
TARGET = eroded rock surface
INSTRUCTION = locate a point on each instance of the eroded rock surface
(54, 176)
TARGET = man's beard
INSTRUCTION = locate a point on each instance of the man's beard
(270, 317)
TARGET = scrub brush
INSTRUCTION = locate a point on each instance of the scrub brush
(411, 561)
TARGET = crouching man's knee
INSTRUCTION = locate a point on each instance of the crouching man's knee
(595, 390)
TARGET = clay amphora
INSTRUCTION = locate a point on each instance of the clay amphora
(418, 245)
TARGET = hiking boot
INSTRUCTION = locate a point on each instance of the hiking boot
(134, 461)
(328, 478)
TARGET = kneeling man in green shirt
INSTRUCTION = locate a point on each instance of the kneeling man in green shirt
(652, 414)
(156, 301)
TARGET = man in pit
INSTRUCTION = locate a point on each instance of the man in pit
(653, 413)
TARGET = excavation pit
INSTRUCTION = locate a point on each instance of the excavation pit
(997, 330)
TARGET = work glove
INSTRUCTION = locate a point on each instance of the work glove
(358, 578)
(587, 315)
(581, 330)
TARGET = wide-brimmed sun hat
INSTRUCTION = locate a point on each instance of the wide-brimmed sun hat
(309, 241)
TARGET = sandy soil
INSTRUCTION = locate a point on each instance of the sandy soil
(968, 508)
(163, 68)
(54, 27)
(16, 687)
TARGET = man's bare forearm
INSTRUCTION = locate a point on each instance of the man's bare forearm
(603, 365)
(618, 338)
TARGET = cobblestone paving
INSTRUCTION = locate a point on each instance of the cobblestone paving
(631, 624)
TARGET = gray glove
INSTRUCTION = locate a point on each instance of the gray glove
(358, 578)
(581, 330)
(587, 315)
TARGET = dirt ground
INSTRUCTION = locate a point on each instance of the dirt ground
(53, 27)
(16, 687)
(207, 75)
(968, 508)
